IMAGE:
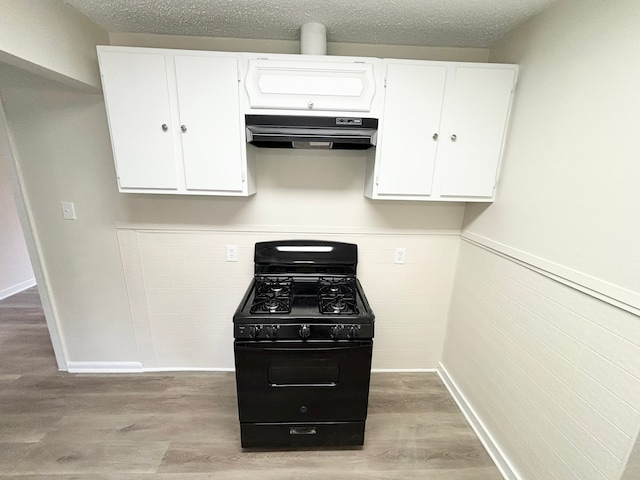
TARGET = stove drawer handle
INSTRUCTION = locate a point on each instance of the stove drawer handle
(302, 431)
(306, 385)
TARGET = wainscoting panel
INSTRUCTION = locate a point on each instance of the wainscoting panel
(552, 373)
(183, 293)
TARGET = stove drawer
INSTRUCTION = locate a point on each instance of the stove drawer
(291, 435)
(302, 381)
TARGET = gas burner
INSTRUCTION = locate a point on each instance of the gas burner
(336, 296)
(273, 295)
(279, 287)
(271, 304)
(338, 306)
(336, 286)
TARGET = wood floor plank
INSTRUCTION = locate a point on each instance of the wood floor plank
(25, 428)
(386, 457)
(86, 457)
(142, 427)
(292, 473)
(184, 426)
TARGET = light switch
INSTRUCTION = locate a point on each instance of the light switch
(68, 211)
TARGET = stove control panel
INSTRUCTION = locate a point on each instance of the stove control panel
(302, 331)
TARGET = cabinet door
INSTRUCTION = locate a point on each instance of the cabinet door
(137, 101)
(412, 109)
(210, 122)
(304, 85)
(475, 126)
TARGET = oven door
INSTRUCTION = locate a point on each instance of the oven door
(302, 381)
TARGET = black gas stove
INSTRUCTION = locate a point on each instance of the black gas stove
(303, 341)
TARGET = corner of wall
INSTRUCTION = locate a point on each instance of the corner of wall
(53, 40)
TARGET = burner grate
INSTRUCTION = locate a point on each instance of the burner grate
(273, 295)
(337, 296)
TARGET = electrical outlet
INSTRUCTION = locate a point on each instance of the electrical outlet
(400, 255)
(68, 211)
(232, 253)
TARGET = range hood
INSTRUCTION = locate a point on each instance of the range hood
(293, 131)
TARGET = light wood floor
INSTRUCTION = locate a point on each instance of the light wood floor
(55, 425)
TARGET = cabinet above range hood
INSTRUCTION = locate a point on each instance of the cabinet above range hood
(312, 100)
(318, 132)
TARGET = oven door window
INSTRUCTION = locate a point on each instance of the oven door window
(302, 382)
(309, 372)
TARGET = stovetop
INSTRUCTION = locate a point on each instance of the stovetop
(304, 290)
(294, 299)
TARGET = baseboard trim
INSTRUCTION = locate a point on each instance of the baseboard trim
(136, 367)
(19, 287)
(404, 370)
(187, 369)
(132, 367)
(104, 367)
(503, 464)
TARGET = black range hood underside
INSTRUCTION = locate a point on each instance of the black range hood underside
(288, 131)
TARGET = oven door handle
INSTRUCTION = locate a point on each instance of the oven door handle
(304, 385)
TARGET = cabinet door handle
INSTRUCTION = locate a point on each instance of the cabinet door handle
(435, 137)
(165, 127)
(183, 128)
(454, 137)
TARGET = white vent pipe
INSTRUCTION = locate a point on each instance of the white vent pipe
(313, 39)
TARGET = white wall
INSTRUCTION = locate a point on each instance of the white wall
(301, 194)
(552, 373)
(289, 46)
(183, 294)
(632, 471)
(569, 192)
(16, 273)
(543, 338)
(63, 153)
(51, 39)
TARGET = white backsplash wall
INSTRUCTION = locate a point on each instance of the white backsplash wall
(183, 293)
(554, 374)
(297, 190)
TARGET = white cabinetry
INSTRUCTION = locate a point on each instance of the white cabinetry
(175, 121)
(137, 99)
(308, 84)
(442, 131)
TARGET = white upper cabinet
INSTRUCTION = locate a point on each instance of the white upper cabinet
(412, 109)
(306, 84)
(210, 123)
(175, 121)
(442, 131)
(137, 96)
(474, 129)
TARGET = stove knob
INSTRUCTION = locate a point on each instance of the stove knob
(336, 330)
(271, 331)
(353, 331)
(304, 331)
(254, 331)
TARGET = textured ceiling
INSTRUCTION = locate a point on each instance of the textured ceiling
(437, 23)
